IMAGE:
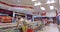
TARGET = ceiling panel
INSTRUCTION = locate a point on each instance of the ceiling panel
(31, 3)
(19, 2)
(46, 6)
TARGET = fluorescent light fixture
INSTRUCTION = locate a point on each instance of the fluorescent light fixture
(51, 7)
(37, 3)
(42, 8)
(34, 0)
(50, 1)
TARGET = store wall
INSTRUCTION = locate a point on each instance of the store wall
(51, 14)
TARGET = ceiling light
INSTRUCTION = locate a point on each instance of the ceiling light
(42, 8)
(37, 3)
(50, 1)
(34, 0)
(51, 7)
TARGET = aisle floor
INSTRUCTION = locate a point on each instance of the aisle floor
(50, 29)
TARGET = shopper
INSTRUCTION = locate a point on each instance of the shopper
(24, 27)
(30, 29)
(19, 25)
(44, 20)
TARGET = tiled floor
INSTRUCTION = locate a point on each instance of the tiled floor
(50, 29)
(45, 29)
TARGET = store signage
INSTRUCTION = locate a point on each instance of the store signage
(10, 13)
(5, 11)
(39, 13)
(35, 13)
(43, 13)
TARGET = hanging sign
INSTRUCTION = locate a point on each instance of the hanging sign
(9, 13)
(43, 13)
(35, 13)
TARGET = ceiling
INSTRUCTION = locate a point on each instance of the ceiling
(31, 4)
(19, 2)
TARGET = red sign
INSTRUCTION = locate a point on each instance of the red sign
(5, 11)
(43, 13)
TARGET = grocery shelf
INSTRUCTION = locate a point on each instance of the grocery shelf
(3, 25)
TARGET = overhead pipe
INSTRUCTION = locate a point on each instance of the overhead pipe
(15, 5)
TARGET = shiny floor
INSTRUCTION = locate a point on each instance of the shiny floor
(50, 28)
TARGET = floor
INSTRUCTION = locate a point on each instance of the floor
(49, 28)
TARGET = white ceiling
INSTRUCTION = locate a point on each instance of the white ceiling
(19, 2)
(31, 3)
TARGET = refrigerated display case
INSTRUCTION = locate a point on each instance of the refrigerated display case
(6, 19)
(6, 16)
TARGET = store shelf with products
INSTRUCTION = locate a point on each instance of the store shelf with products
(6, 16)
(9, 28)
(4, 25)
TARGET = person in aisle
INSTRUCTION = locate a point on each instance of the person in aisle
(44, 20)
(15, 19)
(24, 27)
(19, 24)
(51, 27)
(30, 29)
